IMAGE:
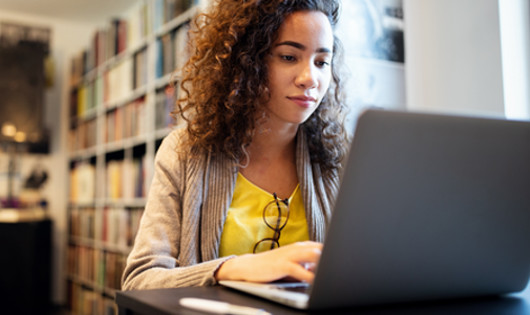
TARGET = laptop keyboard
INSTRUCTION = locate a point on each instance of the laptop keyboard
(300, 287)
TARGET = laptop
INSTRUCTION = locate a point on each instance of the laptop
(431, 206)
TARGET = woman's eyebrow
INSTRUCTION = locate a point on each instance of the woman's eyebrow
(301, 46)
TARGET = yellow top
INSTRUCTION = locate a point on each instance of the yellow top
(244, 225)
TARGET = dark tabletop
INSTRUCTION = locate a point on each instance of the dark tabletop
(166, 301)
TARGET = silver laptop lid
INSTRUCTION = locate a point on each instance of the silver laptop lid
(430, 206)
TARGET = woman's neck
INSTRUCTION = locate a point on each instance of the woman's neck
(273, 143)
(271, 163)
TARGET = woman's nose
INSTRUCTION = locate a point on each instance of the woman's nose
(307, 77)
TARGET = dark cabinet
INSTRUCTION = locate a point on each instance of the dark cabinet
(25, 267)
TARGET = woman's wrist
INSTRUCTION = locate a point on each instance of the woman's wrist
(226, 270)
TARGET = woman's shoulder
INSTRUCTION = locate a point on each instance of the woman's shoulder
(175, 144)
(178, 147)
(177, 136)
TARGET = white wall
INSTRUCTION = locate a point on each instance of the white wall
(453, 56)
(515, 43)
(68, 38)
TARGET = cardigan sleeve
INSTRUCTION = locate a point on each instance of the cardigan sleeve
(154, 260)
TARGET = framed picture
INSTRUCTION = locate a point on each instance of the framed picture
(372, 35)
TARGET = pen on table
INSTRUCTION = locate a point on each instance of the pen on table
(217, 307)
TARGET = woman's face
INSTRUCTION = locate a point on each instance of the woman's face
(299, 67)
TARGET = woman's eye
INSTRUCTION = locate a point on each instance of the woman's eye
(322, 63)
(288, 58)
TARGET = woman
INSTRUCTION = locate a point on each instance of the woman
(245, 192)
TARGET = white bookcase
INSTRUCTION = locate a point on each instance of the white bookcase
(119, 114)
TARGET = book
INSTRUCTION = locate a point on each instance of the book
(182, 47)
(82, 183)
(138, 24)
(158, 14)
(164, 105)
(140, 69)
(114, 182)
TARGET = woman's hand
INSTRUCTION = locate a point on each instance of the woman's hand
(296, 261)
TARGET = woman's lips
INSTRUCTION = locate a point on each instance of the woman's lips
(303, 101)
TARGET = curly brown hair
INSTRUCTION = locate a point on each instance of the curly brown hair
(225, 82)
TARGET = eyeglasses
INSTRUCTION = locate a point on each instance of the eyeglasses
(275, 215)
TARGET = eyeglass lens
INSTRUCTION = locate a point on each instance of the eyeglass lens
(275, 215)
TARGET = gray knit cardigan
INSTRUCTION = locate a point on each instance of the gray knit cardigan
(178, 239)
